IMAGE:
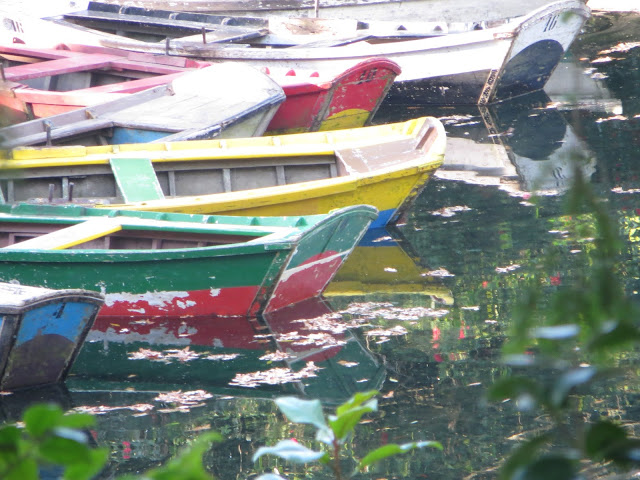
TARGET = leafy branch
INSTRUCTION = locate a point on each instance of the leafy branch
(332, 433)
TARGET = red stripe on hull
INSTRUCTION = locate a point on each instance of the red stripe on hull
(305, 281)
(229, 302)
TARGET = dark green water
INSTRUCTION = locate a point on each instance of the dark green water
(436, 301)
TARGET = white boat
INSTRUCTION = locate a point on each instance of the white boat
(402, 10)
(474, 67)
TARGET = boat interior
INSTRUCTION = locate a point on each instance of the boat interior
(159, 25)
(107, 234)
(206, 172)
(40, 71)
(98, 183)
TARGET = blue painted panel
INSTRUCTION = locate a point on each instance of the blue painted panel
(377, 237)
(383, 218)
(65, 319)
(133, 135)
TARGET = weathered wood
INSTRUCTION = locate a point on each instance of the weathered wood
(136, 179)
(143, 23)
(70, 236)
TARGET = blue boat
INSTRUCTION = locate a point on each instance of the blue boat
(41, 332)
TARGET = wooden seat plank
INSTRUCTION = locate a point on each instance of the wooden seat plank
(136, 179)
(70, 236)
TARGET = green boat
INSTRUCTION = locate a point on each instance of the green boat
(164, 264)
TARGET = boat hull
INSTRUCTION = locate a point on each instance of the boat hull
(385, 166)
(477, 67)
(40, 338)
(347, 100)
(344, 99)
(228, 281)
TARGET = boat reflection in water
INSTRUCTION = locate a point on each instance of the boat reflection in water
(155, 384)
(523, 146)
(384, 267)
(296, 350)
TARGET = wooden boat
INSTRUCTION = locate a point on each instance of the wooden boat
(41, 333)
(226, 100)
(385, 166)
(479, 66)
(43, 82)
(150, 264)
(216, 352)
(401, 10)
(47, 81)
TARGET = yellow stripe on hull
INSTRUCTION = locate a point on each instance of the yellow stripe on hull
(390, 186)
(385, 192)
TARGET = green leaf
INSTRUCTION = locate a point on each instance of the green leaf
(522, 456)
(302, 411)
(547, 468)
(325, 435)
(63, 451)
(9, 437)
(344, 423)
(601, 437)
(290, 450)
(42, 418)
(85, 471)
(605, 440)
(71, 434)
(394, 449)
(27, 469)
(77, 420)
(188, 464)
(568, 381)
(513, 387)
(556, 332)
(355, 401)
(621, 334)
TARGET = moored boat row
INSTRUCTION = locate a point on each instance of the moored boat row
(136, 133)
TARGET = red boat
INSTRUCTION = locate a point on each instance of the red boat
(41, 82)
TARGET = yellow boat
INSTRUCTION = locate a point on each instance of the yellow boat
(385, 166)
(384, 267)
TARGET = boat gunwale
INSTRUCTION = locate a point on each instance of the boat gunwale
(278, 239)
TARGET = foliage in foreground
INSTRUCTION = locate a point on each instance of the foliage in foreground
(49, 440)
(332, 433)
(559, 350)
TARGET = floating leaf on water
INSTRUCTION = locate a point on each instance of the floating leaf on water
(390, 332)
(612, 118)
(621, 47)
(276, 356)
(274, 376)
(102, 409)
(440, 272)
(602, 60)
(222, 357)
(190, 398)
(508, 268)
(344, 363)
(450, 211)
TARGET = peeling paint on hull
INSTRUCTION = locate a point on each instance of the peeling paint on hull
(230, 302)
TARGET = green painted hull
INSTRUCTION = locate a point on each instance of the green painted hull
(233, 279)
